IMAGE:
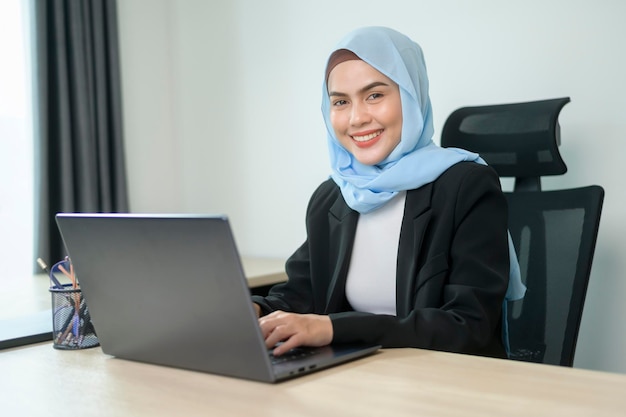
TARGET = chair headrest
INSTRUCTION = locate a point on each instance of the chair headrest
(518, 140)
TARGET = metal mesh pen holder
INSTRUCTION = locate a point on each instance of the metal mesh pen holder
(71, 323)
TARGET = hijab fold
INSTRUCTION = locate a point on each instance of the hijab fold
(416, 160)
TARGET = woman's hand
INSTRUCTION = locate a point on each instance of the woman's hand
(295, 330)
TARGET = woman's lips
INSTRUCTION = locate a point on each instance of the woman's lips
(364, 140)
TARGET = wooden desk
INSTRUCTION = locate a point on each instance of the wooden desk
(38, 380)
(262, 272)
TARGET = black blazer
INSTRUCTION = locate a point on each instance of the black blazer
(452, 272)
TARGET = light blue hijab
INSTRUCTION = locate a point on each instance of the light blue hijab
(416, 160)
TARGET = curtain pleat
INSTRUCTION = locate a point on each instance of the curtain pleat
(80, 146)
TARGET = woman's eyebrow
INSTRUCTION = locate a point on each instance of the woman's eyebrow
(362, 90)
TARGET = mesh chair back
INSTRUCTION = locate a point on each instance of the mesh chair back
(554, 232)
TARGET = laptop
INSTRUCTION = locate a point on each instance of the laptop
(170, 289)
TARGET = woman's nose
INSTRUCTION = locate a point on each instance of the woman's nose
(359, 114)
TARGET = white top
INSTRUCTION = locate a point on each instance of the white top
(371, 282)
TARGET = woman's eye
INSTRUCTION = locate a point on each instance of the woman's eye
(374, 96)
(339, 103)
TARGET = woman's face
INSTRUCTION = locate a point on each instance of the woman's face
(365, 111)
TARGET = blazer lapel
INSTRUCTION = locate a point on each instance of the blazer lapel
(342, 227)
(417, 215)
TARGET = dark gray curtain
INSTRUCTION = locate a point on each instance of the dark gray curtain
(80, 153)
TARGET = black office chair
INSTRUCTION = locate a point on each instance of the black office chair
(554, 232)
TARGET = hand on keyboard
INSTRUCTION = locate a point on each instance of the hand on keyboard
(295, 330)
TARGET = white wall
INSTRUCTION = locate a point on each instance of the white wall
(222, 109)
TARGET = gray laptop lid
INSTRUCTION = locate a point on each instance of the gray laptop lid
(170, 290)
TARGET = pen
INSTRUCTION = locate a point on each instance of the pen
(70, 275)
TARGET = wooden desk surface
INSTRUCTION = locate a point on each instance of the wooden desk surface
(38, 380)
(264, 271)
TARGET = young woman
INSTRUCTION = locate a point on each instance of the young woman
(407, 242)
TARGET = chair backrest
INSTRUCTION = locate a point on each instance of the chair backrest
(554, 232)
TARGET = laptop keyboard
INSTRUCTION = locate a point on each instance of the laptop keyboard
(296, 353)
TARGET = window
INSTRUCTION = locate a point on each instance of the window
(16, 142)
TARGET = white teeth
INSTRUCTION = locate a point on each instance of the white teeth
(367, 137)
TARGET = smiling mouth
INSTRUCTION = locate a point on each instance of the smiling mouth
(368, 137)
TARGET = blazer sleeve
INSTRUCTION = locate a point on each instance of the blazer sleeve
(460, 288)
